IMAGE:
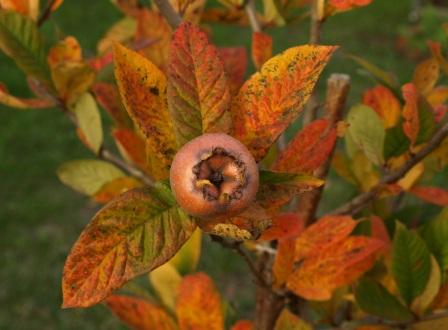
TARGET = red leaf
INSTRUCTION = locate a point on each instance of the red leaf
(261, 48)
(235, 64)
(385, 104)
(309, 149)
(284, 226)
(140, 314)
(411, 124)
(107, 96)
(198, 91)
(348, 4)
(379, 231)
(198, 304)
(132, 144)
(243, 325)
(433, 195)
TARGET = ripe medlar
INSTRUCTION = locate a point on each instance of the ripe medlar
(214, 175)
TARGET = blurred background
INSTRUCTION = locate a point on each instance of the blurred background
(40, 218)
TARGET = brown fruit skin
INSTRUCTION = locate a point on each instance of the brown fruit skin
(182, 178)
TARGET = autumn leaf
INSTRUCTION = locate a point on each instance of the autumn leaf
(139, 313)
(120, 32)
(261, 48)
(166, 280)
(379, 231)
(284, 261)
(66, 50)
(133, 234)
(272, 98)
(198, 304)
(143, 90)
(435, 235)
(385, 104)
(131, 145)
(309, 149)
(198, 91)
(422, 302)
(115, 187)
(21, 103)
(284, 226)
(289, 321)
(348, 4)
(243, 325)
(28, 8)
(187, 258)
(323, 233)
(426, 75)
(235, 64)
(433, 195)
(341, 263)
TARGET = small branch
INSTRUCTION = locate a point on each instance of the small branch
(357, 203)
(46, 14)
(171, 15)
(252, 16)
(338, 87)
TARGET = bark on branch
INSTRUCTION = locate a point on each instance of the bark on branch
(171, 15)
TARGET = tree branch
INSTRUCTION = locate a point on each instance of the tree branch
(46, 14)
(357, 203)
(171, 15)
(251, 13)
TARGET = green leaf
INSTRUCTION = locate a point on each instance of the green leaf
(87, 176)
(186, 260)
(89, 121)
(423, 301)
(367, 132)
(411, 264)
(299, 180)
(435, 234)
(396, 142)
(133, 234)
(374, 299)
(426, 121)
(20, 39)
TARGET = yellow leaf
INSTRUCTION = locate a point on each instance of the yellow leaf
(186, 260)
(366, 174)
(28, 8)
(289, 321)
(432, 324)
(426, 75)
(166, 281)
(412, 176)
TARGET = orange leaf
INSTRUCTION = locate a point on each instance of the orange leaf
(290, 321)
(143, 89)
(198, 91)
(433, 195)
(323, 233)
(339, 264)
(107, 96)
(411, 124)
(140, 314)
(426, 75)
(243, 325)
(116, 187)
(132, 145)
(284, 261)
(284, 226)
(198, 304)
(309, 149)
(28, 8)
(438, 95)
(66, 50)
(349, 4)
(133, 234)
(261, 48)
(235, 64)
(385, 104)
(273, 97)
(151, 25)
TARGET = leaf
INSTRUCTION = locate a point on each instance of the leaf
(187, 258)
(433, 195)
(374, 299)
(116, 187)
(431, 324)
(367, 132)
(284, 226)
(198, 91)
(297, 180)
(165, 281)
(383, 77)
(198, 304)
(261, 48)
(423, 301)
(88, 176)
(435, 235)
(107, 96)
(284, 261)
(396, 142)
(326, 231)
(309, 149)
(411, 264)
(243, 325)
(273, 97)
(235, 64)
(28, 8)
(143, 90)
(289, 321)
(131, 145)
(348, 4)
(66, 50)
(385, 104)
(151, 25)
(411, 125)
(319, 274)
(20, 40)
(426, 75)
(379, 231)
(89, 121)
(133, 234)
(23, 104)
(120, 32)
(139, 313)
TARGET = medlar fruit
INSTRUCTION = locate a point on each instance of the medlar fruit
(214, 175)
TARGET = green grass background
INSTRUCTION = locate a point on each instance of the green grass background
(40, 218)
